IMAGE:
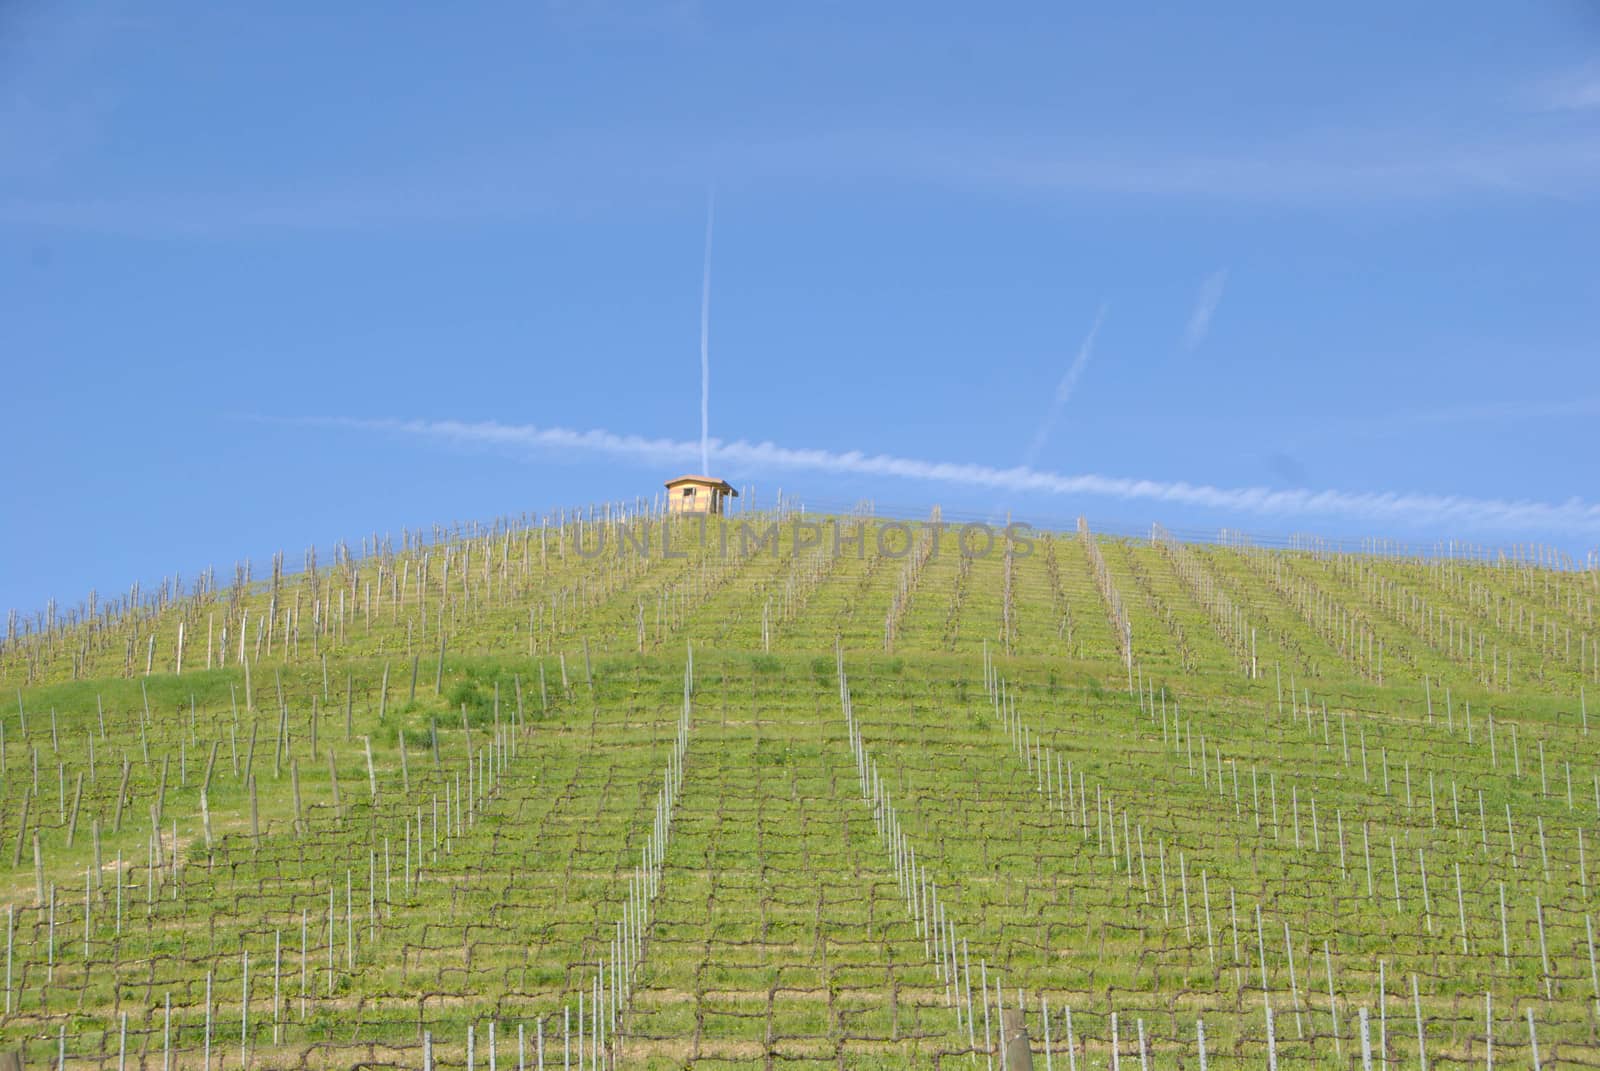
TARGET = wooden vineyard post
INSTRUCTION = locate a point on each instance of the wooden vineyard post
(405, 772)
(122, 795)
(77, 799)
(438, 674)
(1016, 1050)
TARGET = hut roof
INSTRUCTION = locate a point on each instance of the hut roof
(708, 481)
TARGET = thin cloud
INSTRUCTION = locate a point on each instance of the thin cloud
(1373, 165)
(1399, 422)
(1574, 91)
(551, 179)
(1478, 514)
(1504, 412)
(1205, 307)
(705, 341)
(376, 206)
(1064, 389)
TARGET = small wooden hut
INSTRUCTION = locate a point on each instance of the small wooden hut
(698, 494)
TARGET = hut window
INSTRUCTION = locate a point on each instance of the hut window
(688, 492)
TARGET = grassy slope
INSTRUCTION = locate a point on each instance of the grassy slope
(780, 932)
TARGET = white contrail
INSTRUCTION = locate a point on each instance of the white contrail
(705, 343)
(1511, 515)
(1064, 389)
(1205, 307)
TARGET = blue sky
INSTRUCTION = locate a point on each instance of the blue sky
(271, 280)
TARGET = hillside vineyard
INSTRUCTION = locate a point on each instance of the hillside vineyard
(508, 797)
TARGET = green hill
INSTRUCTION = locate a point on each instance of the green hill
(806, 792)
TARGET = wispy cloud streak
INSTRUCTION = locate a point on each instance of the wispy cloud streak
(543, 183)
(1477, 514)
(1064, 389)
(1398, 423)
(1577, 90)
(705, 343)
(1205, 307)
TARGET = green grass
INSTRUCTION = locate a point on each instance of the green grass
(780, 934)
